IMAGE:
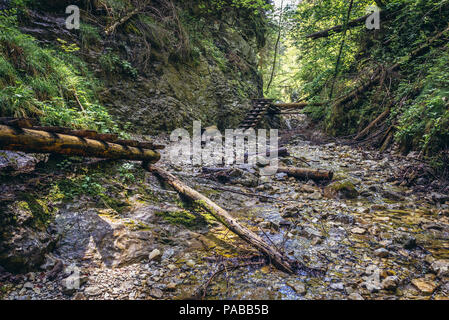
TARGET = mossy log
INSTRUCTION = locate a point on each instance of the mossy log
(305, 173)
(276, 257)
(35, 141)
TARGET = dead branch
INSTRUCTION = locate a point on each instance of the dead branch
(340, 28)
(365, 131)
(277, 258)
(109, 30)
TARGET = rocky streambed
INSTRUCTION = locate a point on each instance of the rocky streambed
(371, 237)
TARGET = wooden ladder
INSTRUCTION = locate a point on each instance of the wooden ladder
(253, 118)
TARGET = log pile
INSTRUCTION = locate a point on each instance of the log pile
(24, 135)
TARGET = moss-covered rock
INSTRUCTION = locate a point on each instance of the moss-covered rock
(342, 189)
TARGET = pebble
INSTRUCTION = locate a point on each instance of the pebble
(424, 285)
(338, 286)
(190, 263)
(356, 296)
(171, 267)
(92, 291)
(171, 286)
(358, 230)
(155, 255)
(390, 283)
(156, 293)
(381, 253)
(298, 287)
(441, 268)
(28, 285)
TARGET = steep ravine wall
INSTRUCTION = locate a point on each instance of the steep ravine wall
(213, 82)
(147, 85)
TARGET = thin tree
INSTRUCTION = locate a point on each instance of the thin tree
(341, 49)
(276, 47)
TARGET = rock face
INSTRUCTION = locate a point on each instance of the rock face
(17, 162)
(23, 245)
(170, 94)
(86, 235)
(206, 71)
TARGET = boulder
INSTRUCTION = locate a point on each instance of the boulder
(341, 189)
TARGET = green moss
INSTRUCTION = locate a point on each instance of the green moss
(47, 82)
(42, 214)
(344, 188)
(182, 217)
(90, 36)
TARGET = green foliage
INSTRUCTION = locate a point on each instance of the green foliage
(253, 6)
(90, 36)
(47, 83)
(113, 64)
(418, 93)
(81, 185)
(424, 122)
(126, 172)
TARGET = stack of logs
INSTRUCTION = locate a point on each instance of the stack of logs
(28, 136)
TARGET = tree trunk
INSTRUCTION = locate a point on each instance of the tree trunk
(304, 173)
(340, 28)
(34, 141)
(276, 257)
(109, 30)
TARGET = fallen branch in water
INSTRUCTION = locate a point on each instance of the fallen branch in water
(201, 292)
(277, 258)
(36, 141)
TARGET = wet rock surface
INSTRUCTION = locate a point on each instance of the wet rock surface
(383, 242)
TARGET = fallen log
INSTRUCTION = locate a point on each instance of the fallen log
(18, 122)
(277, 258)
(305, 173)
(108, 137)
(35, 141)
(340, 28)
(387, 142)
(365, 131)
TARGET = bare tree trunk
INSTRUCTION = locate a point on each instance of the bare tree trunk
(276, 48)
(341, 48)
(365, 131)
